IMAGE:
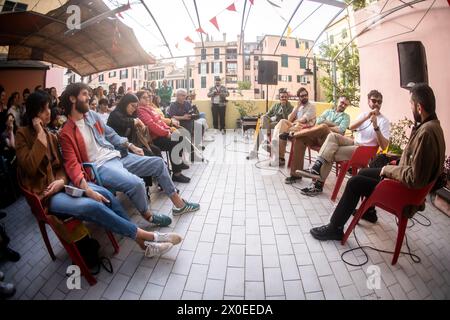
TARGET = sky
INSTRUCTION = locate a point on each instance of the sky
(176, 24)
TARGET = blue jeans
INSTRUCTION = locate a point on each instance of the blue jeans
(123, 175)
(110, 216)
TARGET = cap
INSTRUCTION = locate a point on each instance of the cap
(217, 79)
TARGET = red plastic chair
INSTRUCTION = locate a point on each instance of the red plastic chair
(70, 225)
(360, 159)
(393, 197)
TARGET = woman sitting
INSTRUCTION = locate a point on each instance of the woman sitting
(161, 135)
(126, 123)
(42, 172)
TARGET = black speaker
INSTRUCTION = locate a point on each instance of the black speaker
(413, 63)
(267, 72)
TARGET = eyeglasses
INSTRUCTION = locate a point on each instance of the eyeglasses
(303, 95)
(379, 101)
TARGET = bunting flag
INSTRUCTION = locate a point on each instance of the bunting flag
(188, 39)
(200, 30)
(273, 4)
(289, 31)
(214, 22)
(231, 7)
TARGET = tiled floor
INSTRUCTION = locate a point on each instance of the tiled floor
(250, 240)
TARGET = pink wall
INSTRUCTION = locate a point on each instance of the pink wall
(379, 59)
(18, 80)
(55, 78)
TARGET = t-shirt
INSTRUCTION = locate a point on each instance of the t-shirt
(96, 153)
(366, 135)
(309, 112)
(216, 99)
(104, 117)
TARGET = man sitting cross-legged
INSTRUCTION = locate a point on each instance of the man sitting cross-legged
(332, 120)
(280, 110)
(85, 138)
(372, 129)
(303, 116)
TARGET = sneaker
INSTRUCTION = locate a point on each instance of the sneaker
(292, 179)
(308, 173)
(327, 232)
(160, 220)
(277, 163)
(188, 207)
(156, 248)
(311, 191)
(223, 131)
(9, 254)
(370, 215)
(180, 178)
(7, 290)
(171, 237)
(252, 155)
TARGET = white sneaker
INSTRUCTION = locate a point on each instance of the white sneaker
(171, 237)
(155, 248)
(252, 155)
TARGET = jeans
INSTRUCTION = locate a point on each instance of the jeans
(110, 216)
(357, 186)
(123, 175)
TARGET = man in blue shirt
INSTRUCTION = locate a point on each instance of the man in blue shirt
(331, 120)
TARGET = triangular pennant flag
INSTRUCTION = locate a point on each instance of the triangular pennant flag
(289, 31)
(188, 39)
(200, 30)
(231, 7)
(273, 4)
(214, 22)
(253, 2)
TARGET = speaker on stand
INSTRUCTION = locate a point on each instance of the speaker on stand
(268, 75)
(413, 63)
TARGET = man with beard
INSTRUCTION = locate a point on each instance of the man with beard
(331, 120)
(85, 138)
(269, 120)
(420, 164)
(303, 116)
(372, 129)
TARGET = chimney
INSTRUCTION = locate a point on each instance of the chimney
(224, 37)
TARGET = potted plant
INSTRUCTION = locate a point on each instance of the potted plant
(245, 109)
(400, 132)
(441, 199)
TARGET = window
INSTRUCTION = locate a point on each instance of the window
(9, 6)
(303, 79)
(124, 74)
(231, 54)
(284, 60)
(216, 53)
(232, 67)
(331, 39)
(216, 67)
(112, 74)
(231, 79)
(203, 54)
(298, 78)
(203, 85)
(290, 78)
(192, 83)
(297, 44)
(306, 45)
(302, 62)
(283, 43)
(256, 91)
(344, 33)
(283, 78)
(247, 78)
(101, 78)
(256, 58)
(204, 68)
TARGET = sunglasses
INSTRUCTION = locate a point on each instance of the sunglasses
(379, 101)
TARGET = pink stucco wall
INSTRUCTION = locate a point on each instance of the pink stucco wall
(379, 59)
(55, 78)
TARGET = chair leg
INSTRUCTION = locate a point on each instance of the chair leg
(291, 155)
(309, 155)
(76, 257)
(401, 234)
(358, 215)
(113, 241)
(46, 240)
(339, 180)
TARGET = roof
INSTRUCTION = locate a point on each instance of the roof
(21, 64)
(105, 45)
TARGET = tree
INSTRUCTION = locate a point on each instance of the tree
(244, 85)
(347, 72)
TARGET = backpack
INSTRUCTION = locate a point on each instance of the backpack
(89, 250)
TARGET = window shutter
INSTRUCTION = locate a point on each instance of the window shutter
(207, 68)
(221, 67)
(199, 68)
(212, 67)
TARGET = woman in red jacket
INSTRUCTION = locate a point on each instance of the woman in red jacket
(161, 134)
